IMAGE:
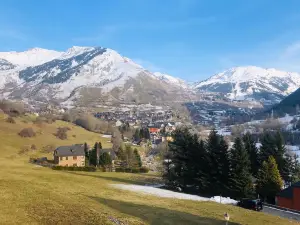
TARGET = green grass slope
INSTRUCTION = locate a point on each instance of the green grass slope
(37, 195)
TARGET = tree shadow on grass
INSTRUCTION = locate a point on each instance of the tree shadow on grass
(159, 216)
(115, 179)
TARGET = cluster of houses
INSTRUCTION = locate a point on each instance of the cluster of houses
(158, 122)
(136, 116)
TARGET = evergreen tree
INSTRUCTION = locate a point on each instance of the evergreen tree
(105, 160)
(136, 136)
(138, 158)
(268, 147)
(218, 164)
(199, 162)
(280, 152)
(240, 177)
(100, 145)
(179, 151)
(269, 181)
(252, 151)
(86, 153)
(94, 155)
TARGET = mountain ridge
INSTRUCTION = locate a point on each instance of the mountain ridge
(251, 82)
(96, 72)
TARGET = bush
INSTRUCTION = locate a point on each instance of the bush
(27, 132)
(75, 168)
(10, 120)
(12, 108)
(127, 170)
(132, 170)
(120, 170)
(48, 149)
(135, 170)
(144, 170)
(62, 133)
(88, 122)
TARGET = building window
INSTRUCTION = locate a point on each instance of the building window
(61, 158)
(66, 157)
(75, 157)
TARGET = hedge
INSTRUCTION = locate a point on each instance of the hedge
(75, 168)
(132, 170)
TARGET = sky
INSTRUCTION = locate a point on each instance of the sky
(190, 39)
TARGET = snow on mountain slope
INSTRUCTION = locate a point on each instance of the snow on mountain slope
(85, 74)
(171, 80)
(31, 57)
(252, 82)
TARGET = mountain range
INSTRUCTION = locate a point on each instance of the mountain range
(95, 75)
(83, 76)
(268, 86)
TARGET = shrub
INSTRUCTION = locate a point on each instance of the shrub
(62, 133)
(24, 149)
(88, 122)
(135, 170)
(10, 120)
(75, 168)
(27, 132)
(48, 149)
(12, 108)
(120, 170)
(127, 170)
(144, 170)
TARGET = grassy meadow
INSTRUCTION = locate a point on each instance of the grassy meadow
(35, 195)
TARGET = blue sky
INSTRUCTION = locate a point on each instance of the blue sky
(191, 39)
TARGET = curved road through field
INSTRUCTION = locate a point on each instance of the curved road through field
(281, 213)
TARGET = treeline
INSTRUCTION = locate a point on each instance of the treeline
(291, 138)
(211, 168)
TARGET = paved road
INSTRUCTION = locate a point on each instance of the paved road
(281, 213)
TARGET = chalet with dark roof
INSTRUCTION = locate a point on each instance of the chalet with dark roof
(73, 155)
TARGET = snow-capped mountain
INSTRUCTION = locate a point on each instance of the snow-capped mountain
(170, 79)
(82, 75)
(31, 57)
(266, 85)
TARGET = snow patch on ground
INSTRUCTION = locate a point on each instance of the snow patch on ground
(106, 136)
(172, 194)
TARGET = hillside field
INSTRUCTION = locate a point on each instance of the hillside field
(37, 195)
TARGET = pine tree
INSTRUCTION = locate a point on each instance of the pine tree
(199, 162)
(137, 157)
(252, 151)
(86, 153)
(94, 155)
(105, 160)
(268, 148)
(179, 150)
(100, 145)
(269, 181)
(280, 152)
(240, 177)
(218, 164)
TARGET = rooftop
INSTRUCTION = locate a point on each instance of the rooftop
(73, 150)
